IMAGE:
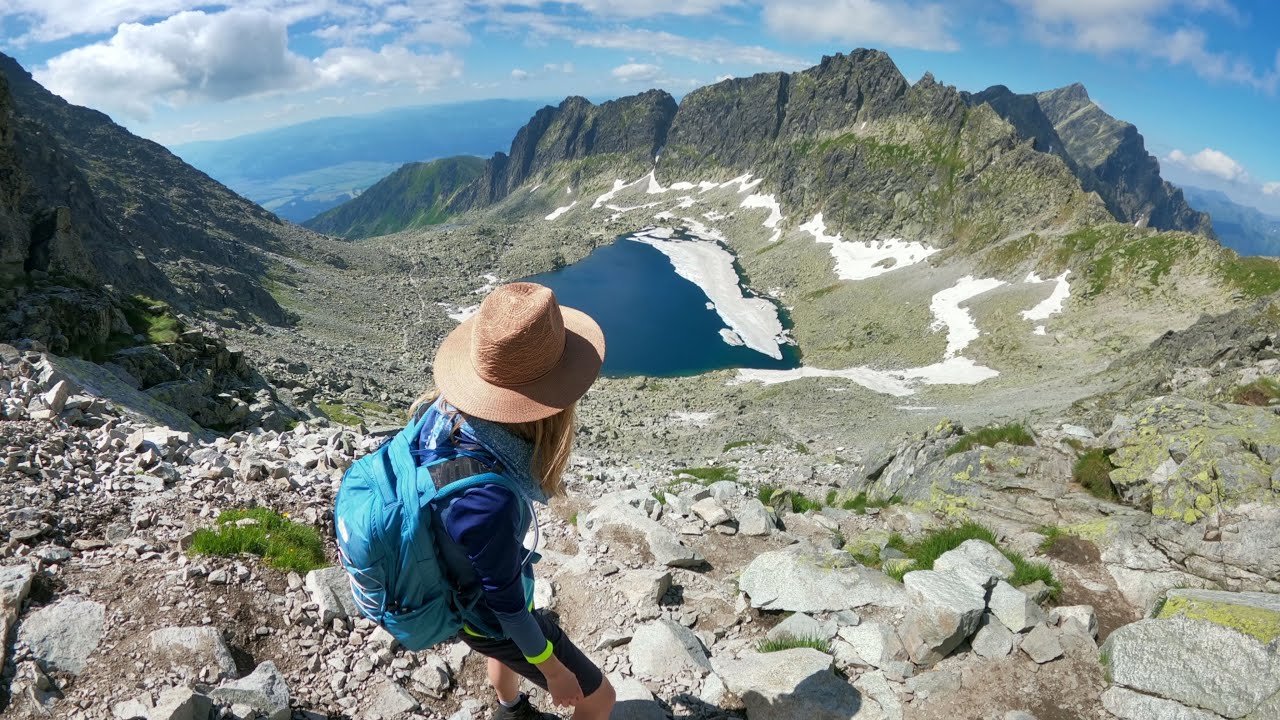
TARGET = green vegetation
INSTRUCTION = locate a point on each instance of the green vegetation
(282, 543)
(337, 412)
(152, 318)
(1261, 392)
(925, 551)
(800, 448)
(416, 195)
(1253, 276)
(1259, 623)
(1093, 472)
(788, 642)
(1013, 433)
(822, 292)
(765, 493)
(801, 504)
(1051, 533)
(708, 475)
(860, 502)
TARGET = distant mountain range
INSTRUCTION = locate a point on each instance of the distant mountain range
(302, 170)
(396, 202)
(1244, 229)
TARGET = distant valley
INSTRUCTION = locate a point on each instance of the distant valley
(1244, 229)
(299, 171)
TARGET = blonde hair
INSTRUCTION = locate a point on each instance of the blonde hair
(552, 440)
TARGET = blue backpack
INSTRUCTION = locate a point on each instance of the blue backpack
(390, 541)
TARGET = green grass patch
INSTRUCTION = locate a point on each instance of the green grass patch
(801, 504)
(1253, 276)
(152, 318)
(1093, 472)
(375, 407)
(860, 502)
(990, 436)
(1051, 533)
(822, 292)
(280, 542)
(337, 412)
(800, 448)
(765, 493)
(788, 642)
(925, 551)
(1261, 393)
(709, 475)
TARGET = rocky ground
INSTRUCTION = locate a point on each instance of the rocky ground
(671, 576)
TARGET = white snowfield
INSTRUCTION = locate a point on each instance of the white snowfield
(703, 262)
(961, 328)
(860, 259)
(1051, 305)
(561, 210)
(769, 203)
(459, 313)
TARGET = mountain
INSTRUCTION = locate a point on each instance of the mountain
(1123, 172)
(301, 170)
(1241, 228)
(104, 206)
(396, 202)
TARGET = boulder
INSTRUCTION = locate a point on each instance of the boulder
(634, 702)
(264, 691)
(330, 588)
(711, 511)
(665, 650)
(877, 644)
(978, 561)
(389, 701)
(1013, 608)
(754, 519)
(643, 588)
(800, 580)
(613, 518)
(1082, 614)
(15, 584)
(1130, 705)
(789, 684)
(432, 677)
(801, 625)
(1042, 644)
(181, 703)
(1198, 663)
(193, 649)
(62, 636)
(993, 640)
(944, 611)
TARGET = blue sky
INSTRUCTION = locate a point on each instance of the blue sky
(1200, 78)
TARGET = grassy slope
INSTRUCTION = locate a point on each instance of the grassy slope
(413, 196)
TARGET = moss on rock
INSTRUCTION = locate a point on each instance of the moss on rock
(1254, 614)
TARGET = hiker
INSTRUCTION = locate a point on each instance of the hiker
(494, 438)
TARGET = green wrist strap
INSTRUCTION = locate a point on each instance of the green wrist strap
(542, 656)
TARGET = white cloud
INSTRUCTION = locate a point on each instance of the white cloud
(704, 51)
(519, 75)
(922, 26)
(1142, 27)
(1271, 188)
(566, 68)
(650, 8)
(237, 53)
(1211, 162)
(636, 72)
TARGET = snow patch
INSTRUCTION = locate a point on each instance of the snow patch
(860, 260)
(618, 185)
(654, 188)
(459, 313)
(744, 183)
(898, 383)
(693, 418)
(769, 203)
(1053, 304)
(959, 323)
(562, 210)
(730, 336)
(706, 264)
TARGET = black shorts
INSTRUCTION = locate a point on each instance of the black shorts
(505, 651)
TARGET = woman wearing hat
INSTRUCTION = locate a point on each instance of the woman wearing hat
(508, 380)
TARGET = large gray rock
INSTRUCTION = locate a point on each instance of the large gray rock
(1194, 662)
(1129, 705)
(635, 702)
(330, 588)
(978, 561)
(1083, 615)
(264, 690)
(181, 703)
(193, 649)
(754, 519)
(63, 635)
(945, 611)
(801, 625)
(993, 640)
(711, 511)
(790, 684)
(665, 650)
(1014, 608)
(643, 588)
(15, 584)
(388, 701)
(800, 580)
(621, 521)
(877, 644)
(1042, 644)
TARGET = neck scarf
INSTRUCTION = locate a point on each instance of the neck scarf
(481, 439)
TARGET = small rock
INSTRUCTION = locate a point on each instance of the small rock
(1013, 608)
(665, 650)
(1042, 644)
(264, 691)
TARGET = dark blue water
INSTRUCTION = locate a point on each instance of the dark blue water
(655, 322)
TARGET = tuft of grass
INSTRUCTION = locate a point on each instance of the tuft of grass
(800, 448)
(765, 493)
(1093, 472)
(788, 642)
(709, 475)
(929, 548)
(990, 436)
(1262, 392)
(861, 502)
(573, 518)
(801, 504)
(280, 542)
(152, 318)
(832, 495)
(660, 496)
(1051, 535)
(337, 412)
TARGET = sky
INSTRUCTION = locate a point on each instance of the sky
(1199, 78)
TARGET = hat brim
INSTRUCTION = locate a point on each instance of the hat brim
(564, 384)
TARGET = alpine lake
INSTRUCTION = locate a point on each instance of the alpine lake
(656, 323)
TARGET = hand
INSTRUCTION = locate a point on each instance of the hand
(562, 684)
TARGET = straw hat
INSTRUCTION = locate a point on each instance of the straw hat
(522, 357)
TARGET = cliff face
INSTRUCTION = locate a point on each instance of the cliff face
(1112, 159)
(148, 223)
